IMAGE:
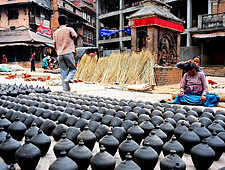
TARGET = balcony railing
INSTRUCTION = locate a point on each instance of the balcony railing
(207, 21)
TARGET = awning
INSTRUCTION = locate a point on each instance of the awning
(159, 22)
(210, 35)
(21, 44)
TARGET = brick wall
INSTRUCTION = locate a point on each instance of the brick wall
(215, 71)
(167, 75)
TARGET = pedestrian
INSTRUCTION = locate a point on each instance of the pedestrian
(4, 59)
(64, 45)
(45, 62)
(32, 61)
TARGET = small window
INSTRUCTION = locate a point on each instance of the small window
(13, 14)
(89, 34)
(89, 18)
(85, 33)
(38, 11)
(84, 15)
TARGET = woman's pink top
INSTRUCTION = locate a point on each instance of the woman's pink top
(197, 80)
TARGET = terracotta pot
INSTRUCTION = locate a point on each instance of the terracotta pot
(81, 155)
(42, 141)
(146, 157)
(88, 137)
(102, 160)
(128, 163)
(126, 146)
(63, 162)
(173, 143)
(8, 148)
(28, 156)
(110, 143)
(64, 144)
(202, 156)
(172, 161)
(17, 129)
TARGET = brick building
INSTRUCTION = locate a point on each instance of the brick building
(23, 15)
(204, 29)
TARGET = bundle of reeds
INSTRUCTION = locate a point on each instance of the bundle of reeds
(122, 67)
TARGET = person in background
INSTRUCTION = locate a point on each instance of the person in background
(45, 62)
(64, 45)
(32, 61)
(4, 59)
(194, 89)
(196, 59)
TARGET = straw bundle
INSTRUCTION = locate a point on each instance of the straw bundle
(123, 68)
(81, 65)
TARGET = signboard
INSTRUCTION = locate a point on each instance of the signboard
(43, 29)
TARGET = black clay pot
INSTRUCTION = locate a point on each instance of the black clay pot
(216, 144)
(58, 131)
(173, 143)
(146, 157)
(143, 117)
(29, 120)
(116, 122)
(28, 156)
(72, 133)
(2, 134)
(8, 149)
(205, 121)
(4, 123)
(17, 129)
(81, 123)
(155, 142)
(156, 120)
(88, 137)
(189, 139)
(147, 126)
(119, 133)
(221, 135)
(101, 131)
(81, 155)
(93, 125)
(167, 128)
(180, 130)
(202, 132)
(172, 161)
(102, 160)
(162, 135)
(110, 143)
(127, 124)
(128, 163)
(42, 141)
(131, 116)
(48, 126)
(136, 132)
(126, 146)
(32, 131)
(63, 118)
(215, 126)
(63, 162)
(96, 117)
(202, 156)
(64, 144)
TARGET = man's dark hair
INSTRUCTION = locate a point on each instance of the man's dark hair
(191, 66)
(62, 19)
(197, 56)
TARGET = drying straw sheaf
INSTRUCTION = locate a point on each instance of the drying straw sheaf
(125, 68)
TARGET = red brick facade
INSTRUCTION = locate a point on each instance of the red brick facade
(167, 75)
(218, 6)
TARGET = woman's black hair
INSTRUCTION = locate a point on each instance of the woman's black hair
(62, 19)
(197, 56)
(191, 66)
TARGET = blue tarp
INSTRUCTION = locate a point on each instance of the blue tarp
(106, 33)
(212, 99)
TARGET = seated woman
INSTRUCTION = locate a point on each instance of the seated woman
(194, 89)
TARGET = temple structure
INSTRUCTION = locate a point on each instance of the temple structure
(155, 28)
